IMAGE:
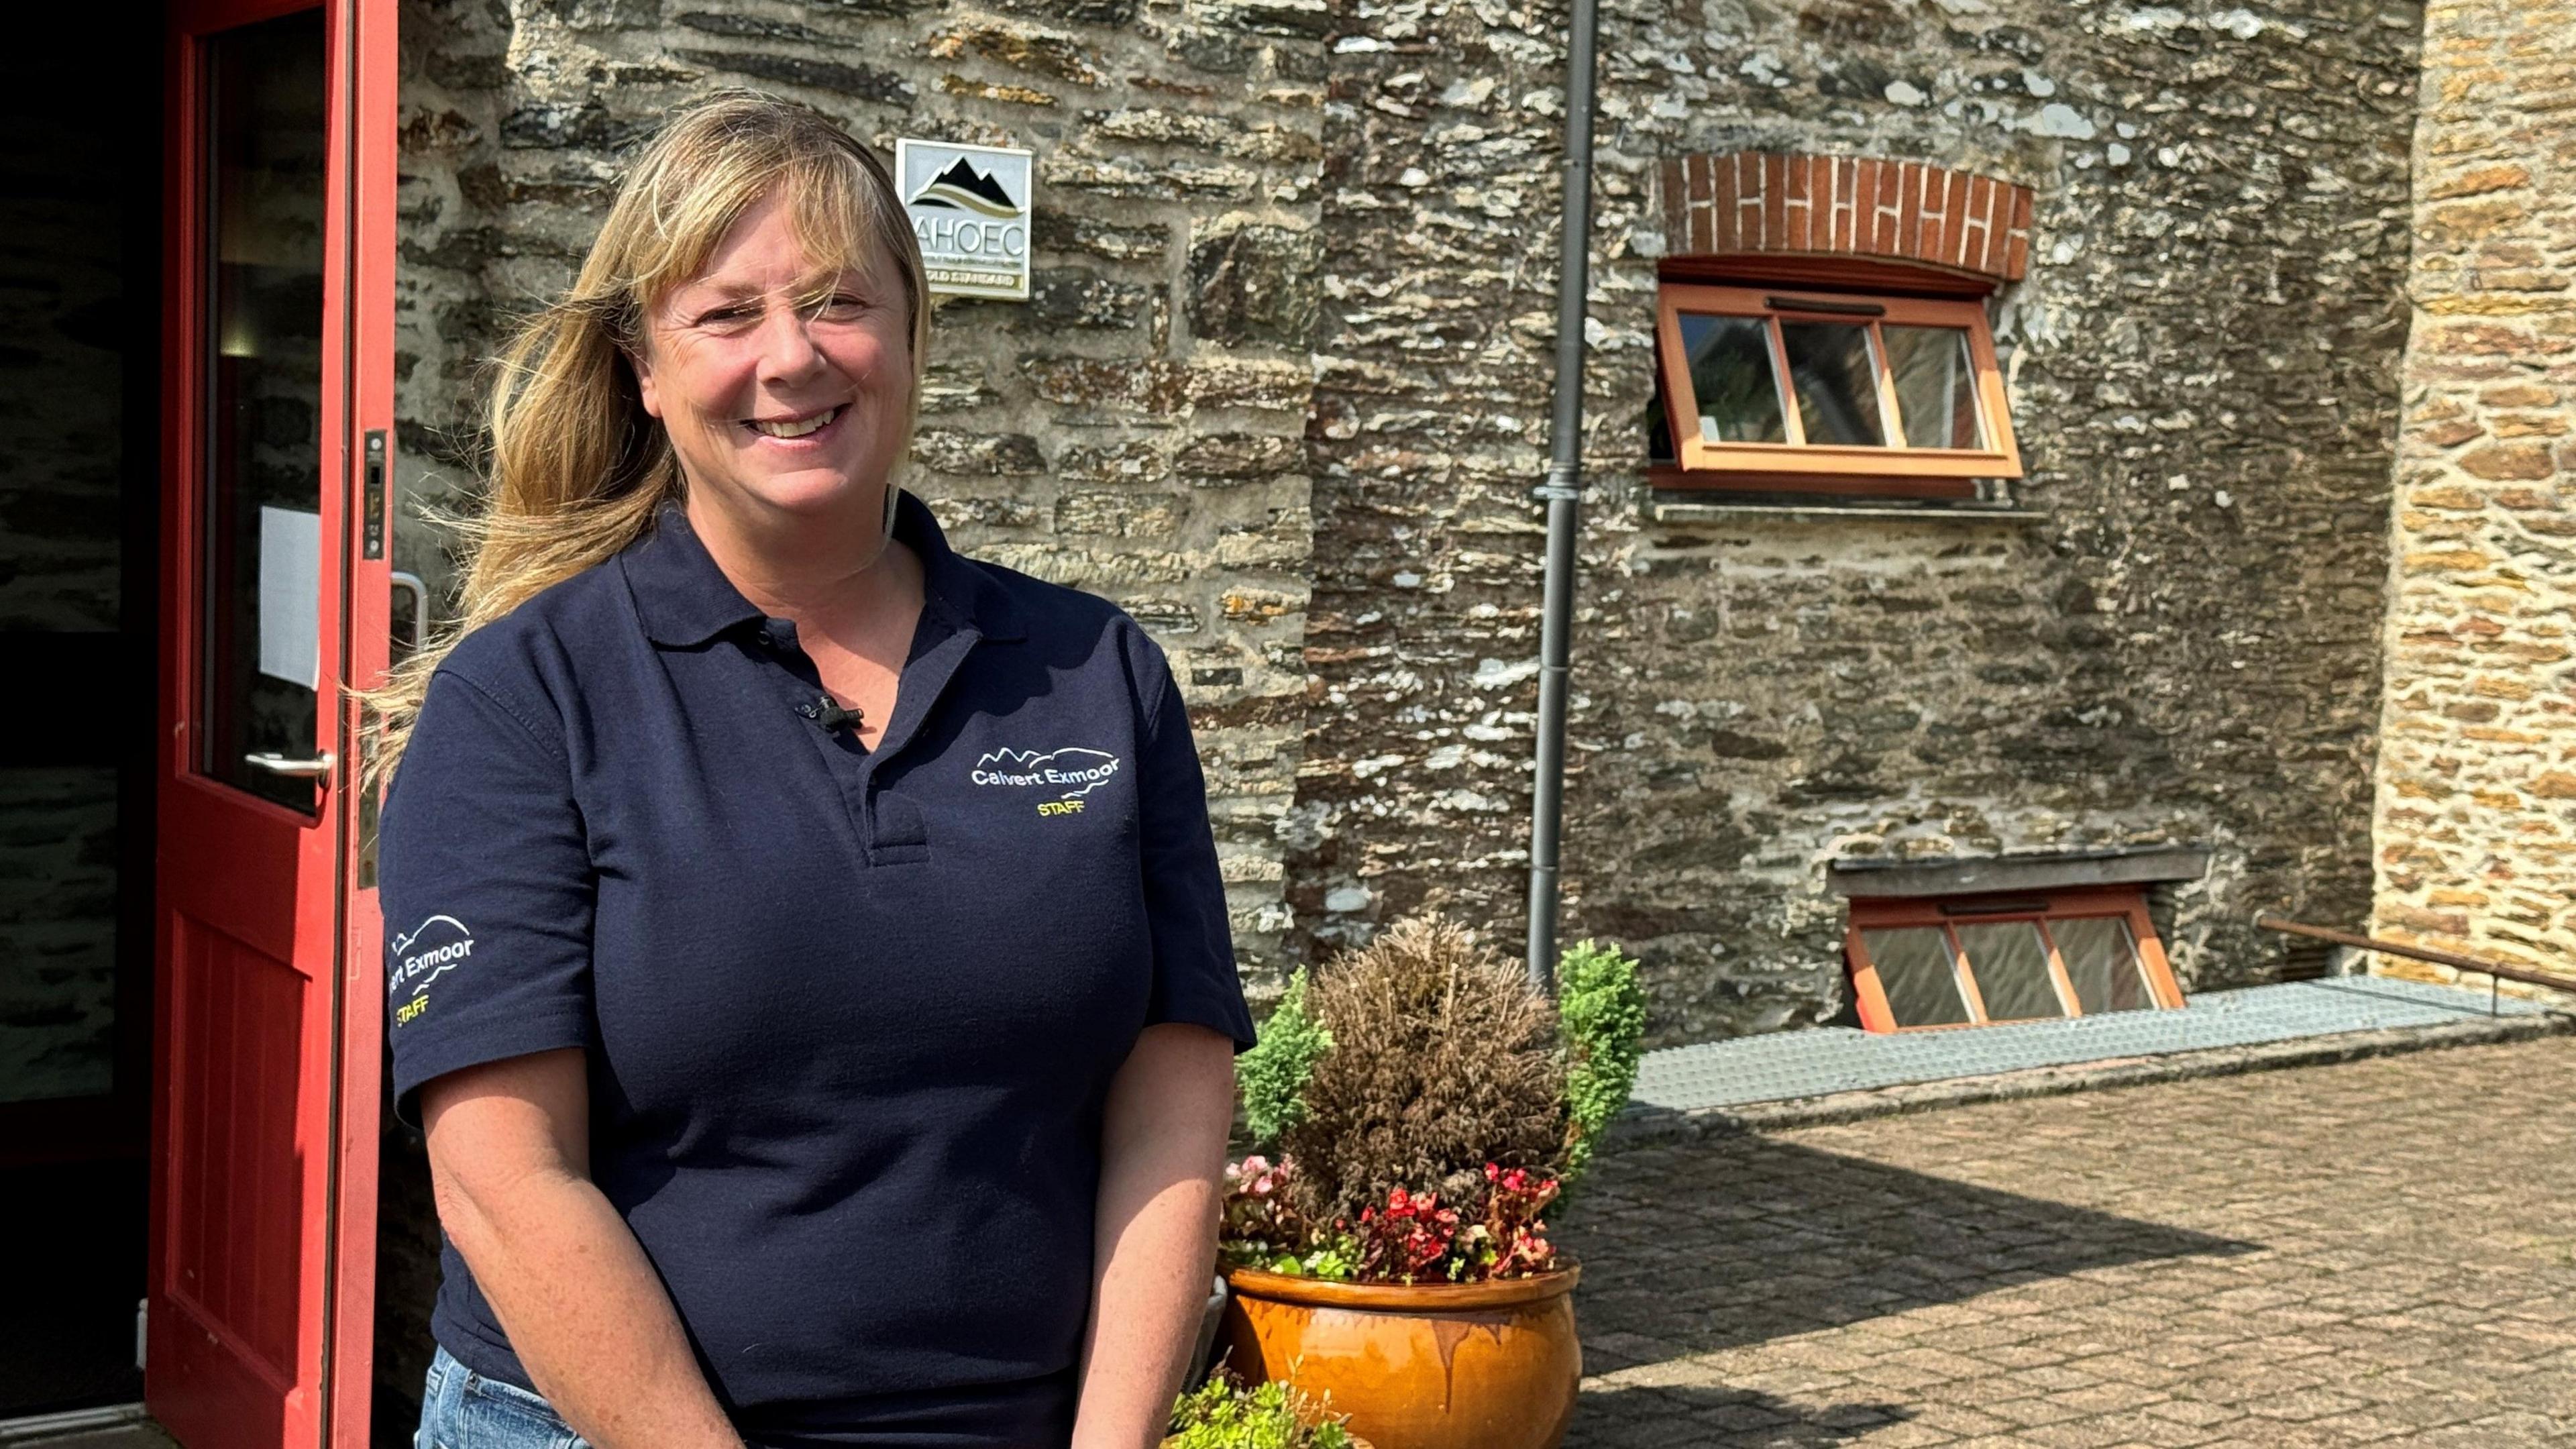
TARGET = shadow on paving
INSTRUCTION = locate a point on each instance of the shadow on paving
(1603, 1417)
(1731, 1241)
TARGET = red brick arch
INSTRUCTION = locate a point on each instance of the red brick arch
(1764, 202)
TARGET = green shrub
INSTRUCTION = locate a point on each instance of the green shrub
(1223, 1413)
(1273, 1073)
(1602, 1011)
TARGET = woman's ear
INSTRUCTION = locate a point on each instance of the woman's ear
(644, 388)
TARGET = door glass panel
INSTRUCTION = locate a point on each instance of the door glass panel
(261, 549)
(1916, 972)
(2102, 963)
(1935, 386)
(2010, 963)
(1732, 379)
(1836, 380)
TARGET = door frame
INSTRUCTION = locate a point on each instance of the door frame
(356, 423)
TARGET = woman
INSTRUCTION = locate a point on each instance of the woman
(807, 951)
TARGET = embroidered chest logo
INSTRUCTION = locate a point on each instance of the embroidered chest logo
(432, 949)
(1063, 777)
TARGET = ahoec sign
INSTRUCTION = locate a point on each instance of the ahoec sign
(970, 208)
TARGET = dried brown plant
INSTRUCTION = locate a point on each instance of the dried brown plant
(1443, 1059)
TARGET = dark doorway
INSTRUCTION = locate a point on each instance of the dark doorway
(80, 177)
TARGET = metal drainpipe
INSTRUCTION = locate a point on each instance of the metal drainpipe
(1563, 492)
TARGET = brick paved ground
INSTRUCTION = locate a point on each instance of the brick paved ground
(2382, 1251)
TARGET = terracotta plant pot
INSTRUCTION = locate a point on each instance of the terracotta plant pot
(1437, 1366)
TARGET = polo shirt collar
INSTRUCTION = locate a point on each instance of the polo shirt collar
(683, 599)
(971, 597)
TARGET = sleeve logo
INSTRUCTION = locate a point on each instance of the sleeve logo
(427, 952)
(1062, 776)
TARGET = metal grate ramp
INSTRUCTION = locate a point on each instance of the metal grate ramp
(1780, 1066)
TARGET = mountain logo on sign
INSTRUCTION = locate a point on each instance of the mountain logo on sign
(963, 188)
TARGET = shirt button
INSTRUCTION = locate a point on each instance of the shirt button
(778, 635)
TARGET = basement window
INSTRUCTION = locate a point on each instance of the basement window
(1799, 390)
(1926, 963)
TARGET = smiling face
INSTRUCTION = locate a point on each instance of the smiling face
(784, 382)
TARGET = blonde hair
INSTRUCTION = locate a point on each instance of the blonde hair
(576, 467)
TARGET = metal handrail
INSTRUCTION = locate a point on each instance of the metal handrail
(2493, 971)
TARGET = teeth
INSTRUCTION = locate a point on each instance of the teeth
(797, 429)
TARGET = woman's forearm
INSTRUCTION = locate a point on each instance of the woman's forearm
(509, 1160)
(585, 1313)
(1162, 1160)
(1151, 1287)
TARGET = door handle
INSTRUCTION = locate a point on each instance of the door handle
(410, 584)
(277, 764)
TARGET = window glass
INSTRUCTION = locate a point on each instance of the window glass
(2102, 963)
(1732, 379)
(263, 442)
(1836, 378)
(2010, 964)
(1935, 385)
(1916, 972)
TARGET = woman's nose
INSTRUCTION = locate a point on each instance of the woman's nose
(787, 347)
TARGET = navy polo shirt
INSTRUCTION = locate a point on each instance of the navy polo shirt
(850, 1015)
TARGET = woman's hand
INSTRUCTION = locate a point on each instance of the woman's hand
(1162, 1166)
(509, 1156)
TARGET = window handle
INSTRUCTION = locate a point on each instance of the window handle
(307, 769)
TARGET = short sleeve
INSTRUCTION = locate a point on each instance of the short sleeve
(485, 878)
(1194, 971)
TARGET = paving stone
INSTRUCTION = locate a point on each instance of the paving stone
(2255, 1262)
(2077, 1434)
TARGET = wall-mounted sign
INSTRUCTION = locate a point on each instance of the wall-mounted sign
(970, 209)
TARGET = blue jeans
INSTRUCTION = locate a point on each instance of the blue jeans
(461, 1409)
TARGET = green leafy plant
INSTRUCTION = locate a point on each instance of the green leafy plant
(1225, 1413)
(1335, 1260)
(1273, 1073)
(1602, 1011)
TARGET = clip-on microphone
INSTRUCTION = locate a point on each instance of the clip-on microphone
(827, 712)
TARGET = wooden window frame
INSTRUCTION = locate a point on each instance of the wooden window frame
(1947, 913)
(1797, 465)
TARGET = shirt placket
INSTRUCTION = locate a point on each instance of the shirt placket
(939, 650)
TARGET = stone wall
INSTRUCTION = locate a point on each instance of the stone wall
(63, 329)
(65, 321)
(2180, 645)
(2476, 830)
(58, 937)
(2177, 644)
(1257, 218)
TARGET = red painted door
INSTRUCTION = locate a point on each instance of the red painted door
(278, 357)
